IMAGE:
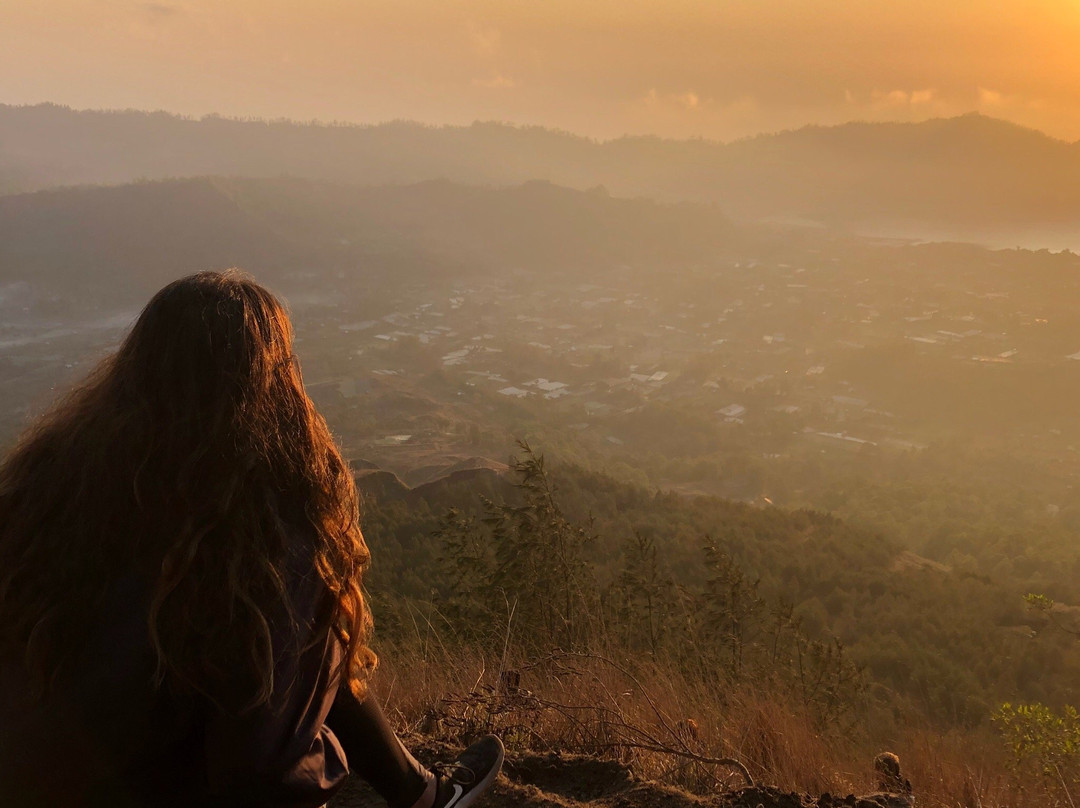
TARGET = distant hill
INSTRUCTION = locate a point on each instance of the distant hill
(964, 173)
(121, 243)
(446, 490)
(470, 466)
(125, 241)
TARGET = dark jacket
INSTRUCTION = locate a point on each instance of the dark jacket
(108, 737)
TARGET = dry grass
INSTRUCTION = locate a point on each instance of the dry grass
(661, 725)
(655, 721)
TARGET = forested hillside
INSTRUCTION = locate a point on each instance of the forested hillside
(653, 629)
(944, 644)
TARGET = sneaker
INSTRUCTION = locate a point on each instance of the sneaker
(461, 783)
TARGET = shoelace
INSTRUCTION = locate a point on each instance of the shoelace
(455, 771)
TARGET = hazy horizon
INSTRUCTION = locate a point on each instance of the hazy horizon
(686, 69)
(599, 139)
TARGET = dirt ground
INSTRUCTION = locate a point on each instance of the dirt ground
(568, 781)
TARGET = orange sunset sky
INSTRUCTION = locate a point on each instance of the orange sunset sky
(685, 68)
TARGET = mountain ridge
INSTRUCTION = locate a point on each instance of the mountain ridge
(970, 170)
(555, 132)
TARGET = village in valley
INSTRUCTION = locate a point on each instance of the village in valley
(782, 356)
(692, 376)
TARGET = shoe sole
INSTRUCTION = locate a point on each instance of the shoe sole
(481, 788)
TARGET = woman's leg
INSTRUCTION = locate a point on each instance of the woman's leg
(375, 753)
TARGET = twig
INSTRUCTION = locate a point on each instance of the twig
(666, 750)
(502, 663)
(1064, 787)
(483, 670)
(686, 751)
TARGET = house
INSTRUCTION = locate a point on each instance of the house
(843, 438)
(848, 401)
(456, 357)
(514, 392)
(546, 386)
(491, 376)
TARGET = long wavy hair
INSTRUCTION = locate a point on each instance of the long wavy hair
(192, 457)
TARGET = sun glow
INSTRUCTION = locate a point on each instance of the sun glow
(685, 68)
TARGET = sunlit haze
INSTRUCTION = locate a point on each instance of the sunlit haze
(704, 375)
(684, 68)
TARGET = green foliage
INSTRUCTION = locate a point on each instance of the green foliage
(643, 600)
(1039, 602)
(724, 591)
(469, 557)
(527, 556)
(526, 567)
(1046, 607)
(1044, 741)
(732, 607)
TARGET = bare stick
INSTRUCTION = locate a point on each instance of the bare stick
(686, 751)
(739, 767)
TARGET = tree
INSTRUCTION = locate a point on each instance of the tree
(732, 605)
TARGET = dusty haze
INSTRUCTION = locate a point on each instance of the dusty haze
(718, 69)
(784, 426)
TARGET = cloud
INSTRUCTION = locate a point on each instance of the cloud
(688, 113)
(485, 41)
(689, 99)
(149, 21)
(159, 11)
(900, 98)
(496, 82)
(999, 102)
(892, 98)
(686, 100)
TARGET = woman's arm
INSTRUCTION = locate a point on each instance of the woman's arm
(281, 753)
